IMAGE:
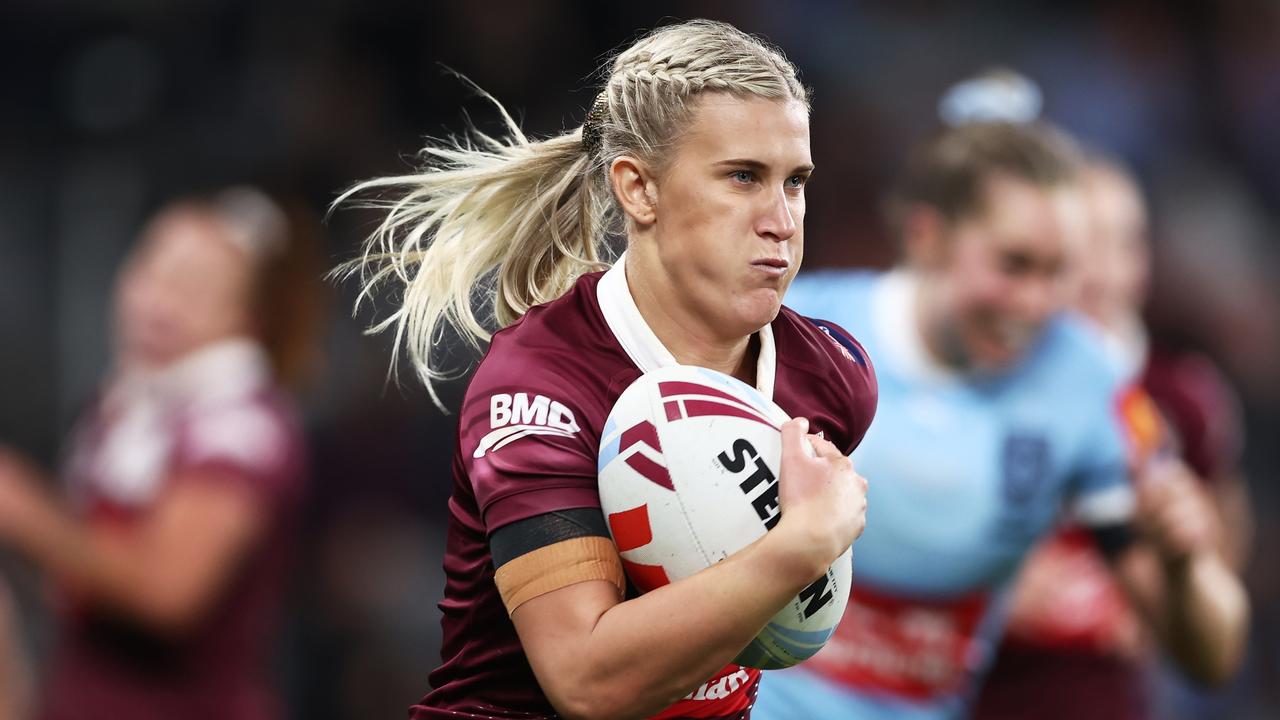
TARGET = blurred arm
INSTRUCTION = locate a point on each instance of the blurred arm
(164, 571)
(1231, 497)
(1178, 580)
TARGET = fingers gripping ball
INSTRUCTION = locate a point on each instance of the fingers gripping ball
(689, 465)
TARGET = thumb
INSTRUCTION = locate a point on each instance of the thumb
(794, 436)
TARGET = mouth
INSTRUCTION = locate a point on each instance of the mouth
(773, 267)
(1010, 338)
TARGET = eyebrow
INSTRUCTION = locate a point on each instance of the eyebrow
(757, 165)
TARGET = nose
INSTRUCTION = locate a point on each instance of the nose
(777, 219)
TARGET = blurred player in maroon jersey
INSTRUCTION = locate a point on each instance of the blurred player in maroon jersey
(1074, 647)
(697, 148)
(184, 476)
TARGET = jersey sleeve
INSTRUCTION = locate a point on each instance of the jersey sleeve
(857, 381)
(245, 441)
(839, 382)
(523, 445)
(1124, 431)
(1202, 410)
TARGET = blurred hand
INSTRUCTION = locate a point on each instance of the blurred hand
(22, 498)
(1174, 512)
(823, 500)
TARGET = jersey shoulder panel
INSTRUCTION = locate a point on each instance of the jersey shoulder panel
(530, 424)
(833, 371)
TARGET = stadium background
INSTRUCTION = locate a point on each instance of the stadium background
(109, 107)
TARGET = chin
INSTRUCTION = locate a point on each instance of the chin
(1000, 358)
(759, 309)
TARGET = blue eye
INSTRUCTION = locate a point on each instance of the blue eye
(743, 176)
(796, 181)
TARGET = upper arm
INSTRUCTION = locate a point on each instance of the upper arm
(554, 627)
(179, 560)
(557, 573)
(224, 487)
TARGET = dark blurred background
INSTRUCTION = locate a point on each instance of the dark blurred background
(110, 107)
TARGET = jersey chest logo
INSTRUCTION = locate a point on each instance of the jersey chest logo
(516, 415)
(1024, 466)
(1025, 471)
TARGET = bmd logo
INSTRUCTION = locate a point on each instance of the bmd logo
(513, 416)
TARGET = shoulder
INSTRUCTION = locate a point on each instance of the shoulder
(562, 351)
(531, 419)
(826, 364)
(256, 437)
(1073, 350)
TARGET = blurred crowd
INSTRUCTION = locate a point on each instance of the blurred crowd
(112, 111)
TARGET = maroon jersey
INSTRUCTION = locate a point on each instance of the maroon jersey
(528, 438)
(215, 410)
(1202, 410)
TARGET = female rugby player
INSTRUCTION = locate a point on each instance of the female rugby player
(697, 149)
(184, 476)
(1019, 406)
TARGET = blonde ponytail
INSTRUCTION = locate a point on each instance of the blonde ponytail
(526, 216)
(515, 222)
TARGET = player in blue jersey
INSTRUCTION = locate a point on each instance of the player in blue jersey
(999, 414)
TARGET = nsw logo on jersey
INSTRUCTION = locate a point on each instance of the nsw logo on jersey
(516, 415)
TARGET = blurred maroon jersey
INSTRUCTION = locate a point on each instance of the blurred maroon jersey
(215, 410)
(1081, 654)
(528, 438)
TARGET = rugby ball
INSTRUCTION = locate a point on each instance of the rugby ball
(688, 467)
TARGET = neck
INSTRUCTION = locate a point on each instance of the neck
(685, 335)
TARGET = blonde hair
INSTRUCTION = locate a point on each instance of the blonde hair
(515, 222)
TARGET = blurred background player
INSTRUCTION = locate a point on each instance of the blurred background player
(1073, 646)
(697, 149)
(999, 411)
(183, 477)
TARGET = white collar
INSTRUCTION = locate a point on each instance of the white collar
(893, 312)
(643, 346)
(226, 369)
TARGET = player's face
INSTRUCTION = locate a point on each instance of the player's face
(1007, 270)
(730, 210)
(185, 285)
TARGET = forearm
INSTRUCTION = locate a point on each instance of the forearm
(93, 566)
(1206, 617)
(646, 653)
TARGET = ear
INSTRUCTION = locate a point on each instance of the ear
(633, 184)
(924, 237)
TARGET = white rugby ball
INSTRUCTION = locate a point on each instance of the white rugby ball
(688, 471)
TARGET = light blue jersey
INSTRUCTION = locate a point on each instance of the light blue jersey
(966, 474)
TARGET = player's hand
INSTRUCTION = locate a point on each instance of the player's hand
(823, 500)
(21, 497)
(1174, 513)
